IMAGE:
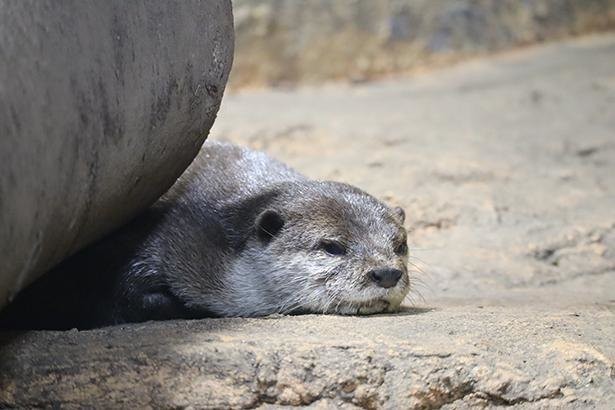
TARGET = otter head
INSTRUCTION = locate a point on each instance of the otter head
(327, 247)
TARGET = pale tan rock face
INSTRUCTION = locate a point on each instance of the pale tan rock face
(454, 357)
(296, 42)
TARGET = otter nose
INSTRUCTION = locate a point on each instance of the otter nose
(386, 277)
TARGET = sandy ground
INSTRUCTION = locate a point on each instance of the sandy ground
(506, 168)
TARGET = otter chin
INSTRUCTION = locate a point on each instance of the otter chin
(239, 234)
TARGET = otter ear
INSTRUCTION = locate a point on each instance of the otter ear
(268, 224)
(401, 214)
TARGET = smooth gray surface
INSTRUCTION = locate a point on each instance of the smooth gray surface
(102, 105)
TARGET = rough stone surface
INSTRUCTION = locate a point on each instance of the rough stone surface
(285, 42)
(102, 106)
(505, 167)
(423, 358)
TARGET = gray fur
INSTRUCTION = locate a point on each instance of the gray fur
(244, 277)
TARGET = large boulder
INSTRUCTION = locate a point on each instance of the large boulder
(102, 105)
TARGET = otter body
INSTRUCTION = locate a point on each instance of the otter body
(239, 234)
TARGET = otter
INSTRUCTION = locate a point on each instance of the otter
(238, 234)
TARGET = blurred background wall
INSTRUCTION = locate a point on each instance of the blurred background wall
(285, 42)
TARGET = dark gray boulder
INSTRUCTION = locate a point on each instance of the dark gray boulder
(102, 105)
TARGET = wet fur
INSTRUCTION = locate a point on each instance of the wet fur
(203, 250)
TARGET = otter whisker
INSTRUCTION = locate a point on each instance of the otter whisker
(418, 269)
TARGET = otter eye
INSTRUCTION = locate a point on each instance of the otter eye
(401, 249)
(332, 247)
